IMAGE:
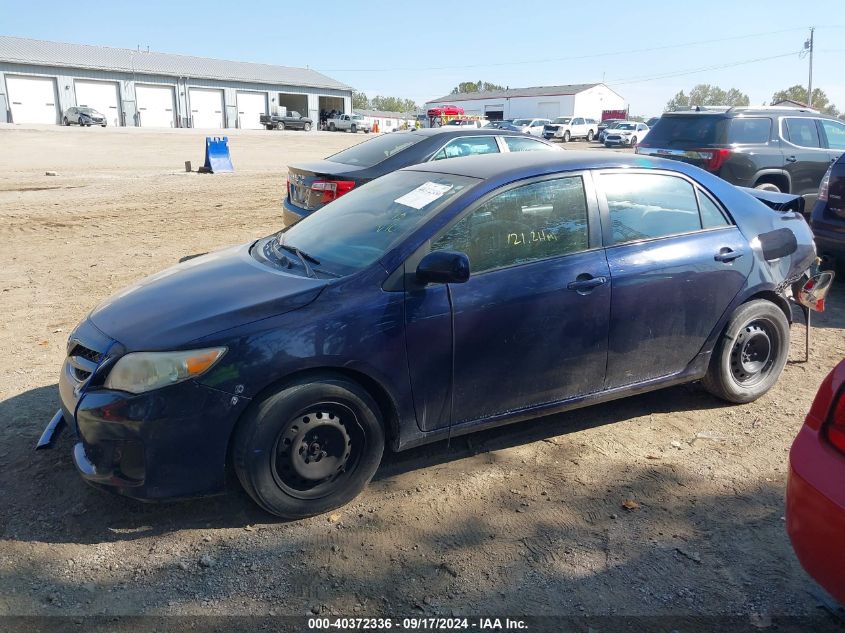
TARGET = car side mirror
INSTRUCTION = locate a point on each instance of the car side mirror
(443, 267)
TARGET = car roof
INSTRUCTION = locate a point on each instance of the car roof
(746, 111)
(524, 164)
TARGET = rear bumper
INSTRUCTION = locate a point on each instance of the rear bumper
(815, 509)
(291, 214)
(828, 241)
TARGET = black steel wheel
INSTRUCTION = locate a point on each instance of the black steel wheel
(315, 452)
(309, 447)
(750, 354)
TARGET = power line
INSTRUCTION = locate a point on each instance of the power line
(563, 59)
(693, 71)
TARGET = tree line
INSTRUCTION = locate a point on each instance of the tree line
(701, 94)
(707, 94)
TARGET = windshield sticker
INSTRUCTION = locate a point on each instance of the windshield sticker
(423, 195)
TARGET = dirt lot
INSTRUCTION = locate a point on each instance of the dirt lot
(522, 520)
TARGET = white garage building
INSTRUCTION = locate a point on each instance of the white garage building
(546, 102)
(39, 80)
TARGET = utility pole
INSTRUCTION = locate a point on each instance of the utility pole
(808, 45)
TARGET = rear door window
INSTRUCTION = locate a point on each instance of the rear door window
(802, 132)
(747, 131)
(835, 133)
(468, 146)
(645, 206)
(523, 144)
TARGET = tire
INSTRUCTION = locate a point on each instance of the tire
(307, 127)
(280, 125)
(768, 186)
(607, 144)
(329, 468)
(589, 136)
(81, 124)
(66, 122)
(566, 136)
(269, 127)
(634, 141)
(332, 128)
(354, 129)
(750, 354)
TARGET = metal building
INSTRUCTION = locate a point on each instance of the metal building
(39, 80)
(547, 102)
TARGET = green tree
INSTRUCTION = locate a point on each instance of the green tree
(706, 94)
(360, 101)
(392, 104)
(821, 102)
(475, 86)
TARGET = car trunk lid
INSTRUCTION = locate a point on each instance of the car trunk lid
(315, 184)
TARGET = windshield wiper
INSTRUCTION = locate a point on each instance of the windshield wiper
(303, 257)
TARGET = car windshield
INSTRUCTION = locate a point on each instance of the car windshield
(88, 111)
(626, 126)
(354, 231)
(563, 119)
(374, 151)
(357, 117)
(522, 121)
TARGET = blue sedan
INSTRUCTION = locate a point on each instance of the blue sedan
(439, 299)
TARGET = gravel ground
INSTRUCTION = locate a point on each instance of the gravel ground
(527, 519)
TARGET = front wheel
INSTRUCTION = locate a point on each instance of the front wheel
(354, 129)
(307, 127)
(634, 142)
(309, 448)
(332, 127)
(768, 186)
(65, 121)
(566, 136)
(750, 354)
(280, 126)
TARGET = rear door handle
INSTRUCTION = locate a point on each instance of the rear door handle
(585, 283)
(727, 255)
(791, 159)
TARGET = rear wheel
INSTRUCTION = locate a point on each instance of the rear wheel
(309, 448)
(767, 186)
(750, 354)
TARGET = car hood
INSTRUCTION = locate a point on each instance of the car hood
(200, 297)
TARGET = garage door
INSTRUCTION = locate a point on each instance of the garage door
(156, 105)
(548, 109)
(206, 107)
(100, 95)
(251, 105)
(33, 99)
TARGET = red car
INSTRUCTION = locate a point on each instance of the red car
(815, 494)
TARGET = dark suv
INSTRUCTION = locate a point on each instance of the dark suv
(771, 148)
(828, 215)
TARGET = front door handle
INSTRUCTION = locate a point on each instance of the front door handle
(585, 282)
(727, 255)
(791, 159)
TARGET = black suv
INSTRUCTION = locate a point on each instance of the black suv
(771, 148)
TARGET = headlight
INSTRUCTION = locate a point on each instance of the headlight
(143, 371)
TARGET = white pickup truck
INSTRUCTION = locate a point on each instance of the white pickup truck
(567, 128)
(350, 123)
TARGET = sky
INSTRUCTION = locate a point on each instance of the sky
(646, 50)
